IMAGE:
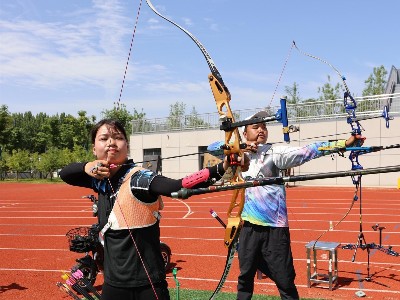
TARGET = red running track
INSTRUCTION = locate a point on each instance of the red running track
(35, 217)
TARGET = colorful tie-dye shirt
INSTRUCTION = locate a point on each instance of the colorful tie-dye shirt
(266, 205)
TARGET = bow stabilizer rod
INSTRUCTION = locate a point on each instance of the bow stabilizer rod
(186, 193)
(359, 150)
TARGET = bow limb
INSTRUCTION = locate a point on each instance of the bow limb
(208, 58)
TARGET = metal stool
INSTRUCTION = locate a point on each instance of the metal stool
(332, 276)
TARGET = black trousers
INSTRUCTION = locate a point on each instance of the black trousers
(267, 249)
(138, 293)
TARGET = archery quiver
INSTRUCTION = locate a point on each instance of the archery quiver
(83, 239)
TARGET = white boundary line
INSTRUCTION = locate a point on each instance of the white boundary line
(188, 208)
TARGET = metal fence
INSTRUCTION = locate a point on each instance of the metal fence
(26, 175)
(315, 110)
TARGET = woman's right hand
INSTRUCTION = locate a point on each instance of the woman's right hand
(243, 161)
(98, 169)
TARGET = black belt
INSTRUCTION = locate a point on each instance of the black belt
(255, 226)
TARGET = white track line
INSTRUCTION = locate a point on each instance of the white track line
(188, 208)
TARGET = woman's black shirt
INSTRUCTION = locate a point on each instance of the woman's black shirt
(123, 267)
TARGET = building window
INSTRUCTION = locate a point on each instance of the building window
(202, 150)
(206, 159)
(152, 160)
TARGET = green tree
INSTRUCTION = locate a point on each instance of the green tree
(43, 137)
(80, 154)
(374, 85)
(67, 130)
(16, 139)
(26, 132)
(29, 128)
(82, 130)
(5, 124)
(193, 120)
(23, 132)
(121, 114)
(139, 119)
(40, 165)
(309, 108)
(3, 165)
(293, 94)
(376, 82)
(34, 164)
(328, 92)
(19, 161)
(51, 161)
(42, 140)
(176, 115)
(293, 99)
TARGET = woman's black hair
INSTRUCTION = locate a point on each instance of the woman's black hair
(110, 123)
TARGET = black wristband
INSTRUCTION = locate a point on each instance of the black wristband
(217, 171)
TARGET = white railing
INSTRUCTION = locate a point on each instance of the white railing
(316, 110)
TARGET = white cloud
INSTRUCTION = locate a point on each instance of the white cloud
(153, 21)
(187, 21)
(212, 25)
(178, 87)
(71, 51)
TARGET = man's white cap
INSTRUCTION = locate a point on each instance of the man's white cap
(260, 114)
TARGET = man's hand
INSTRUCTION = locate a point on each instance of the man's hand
(354, 140)
(251, 147)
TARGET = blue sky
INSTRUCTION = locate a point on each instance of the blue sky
(67, 56)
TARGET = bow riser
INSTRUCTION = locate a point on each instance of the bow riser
(222, 98)
(232, 146)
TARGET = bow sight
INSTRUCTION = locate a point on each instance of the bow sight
(281, 116)
(351, 105)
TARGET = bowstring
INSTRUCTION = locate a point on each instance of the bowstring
(129, 56)
(108, 179)
(355, 198)
(280, 76)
